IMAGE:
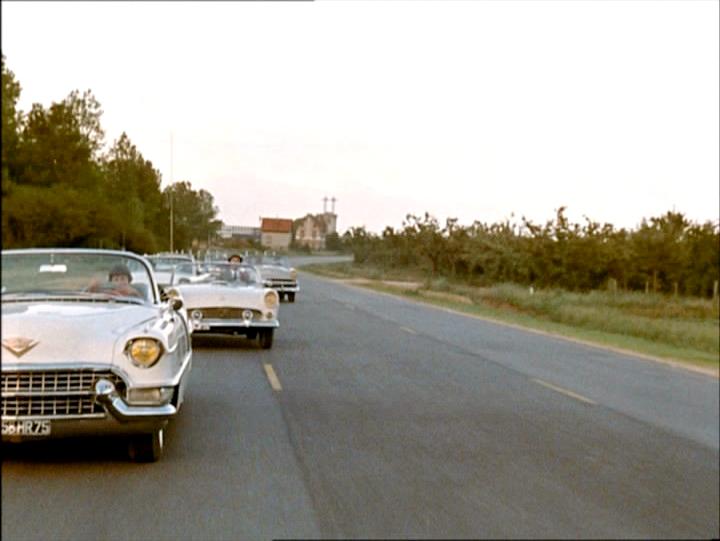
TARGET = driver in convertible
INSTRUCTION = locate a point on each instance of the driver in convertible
(119, 278)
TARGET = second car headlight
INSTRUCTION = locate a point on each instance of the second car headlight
(293, 274)
(144, 352)
(271, 299)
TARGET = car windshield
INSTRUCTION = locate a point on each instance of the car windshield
(231, 274)
(74, 275)
(278, 260)
(166, 263)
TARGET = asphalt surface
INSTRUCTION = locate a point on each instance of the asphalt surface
(393, 419)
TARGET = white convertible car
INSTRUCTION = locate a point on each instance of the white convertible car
(277, 273)
(89, 348)
(231, 300)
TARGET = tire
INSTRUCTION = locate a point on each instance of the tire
(147, 447)
(252, 335)
(291, 297)
(265, 338)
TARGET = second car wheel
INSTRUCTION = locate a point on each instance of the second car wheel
(265, 336)
(147, 447)
(291, 297)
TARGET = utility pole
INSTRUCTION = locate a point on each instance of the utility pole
(172, 188)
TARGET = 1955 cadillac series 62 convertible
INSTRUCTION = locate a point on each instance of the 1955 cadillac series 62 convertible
(89, 348)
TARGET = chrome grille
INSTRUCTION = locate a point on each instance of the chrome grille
(49, 406)
(225, 312)
(281, 282)
(54, 393)
(56, 381)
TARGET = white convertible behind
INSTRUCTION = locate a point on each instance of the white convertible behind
(231, 300)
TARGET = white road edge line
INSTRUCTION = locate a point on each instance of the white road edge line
(408, 329)
(675, 365)
(272, 377)
(564, 391)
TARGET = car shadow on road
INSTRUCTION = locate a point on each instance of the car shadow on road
(67, 450)
(222, 341)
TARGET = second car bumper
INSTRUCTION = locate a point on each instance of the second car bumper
(208, 325)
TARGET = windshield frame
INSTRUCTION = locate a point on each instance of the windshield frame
(153, 290)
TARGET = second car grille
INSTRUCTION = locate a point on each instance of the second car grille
(282, 282)
(225, 312)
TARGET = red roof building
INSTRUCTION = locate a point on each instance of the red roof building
(276, 225)
(275, 233)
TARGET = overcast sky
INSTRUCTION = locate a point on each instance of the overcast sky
(470, 109)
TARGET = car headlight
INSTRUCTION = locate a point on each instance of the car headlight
(144, 352)
(271, 299)
(196, 314)
(293, 274)
(172, 293)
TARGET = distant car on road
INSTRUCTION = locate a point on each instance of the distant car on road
(89, 347)
(229, 299)
(277, 273)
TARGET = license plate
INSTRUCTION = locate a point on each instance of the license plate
(26, 428)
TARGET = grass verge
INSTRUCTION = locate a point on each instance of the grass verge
(680, 330)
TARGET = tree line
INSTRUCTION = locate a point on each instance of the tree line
(61, 188)
(667, 253)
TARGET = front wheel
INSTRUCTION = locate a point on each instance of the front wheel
(265, 336)
(291, 297)
(147, 447)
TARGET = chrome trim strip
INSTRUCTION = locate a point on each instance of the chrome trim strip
(239, 323)
(116, 406)
(55, 417)
(12, 394)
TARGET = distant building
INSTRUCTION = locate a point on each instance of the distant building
(276, 233)
(239, 232)
(312, 229)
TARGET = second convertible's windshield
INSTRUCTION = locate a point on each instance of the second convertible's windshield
(75, 274)
(231, 274)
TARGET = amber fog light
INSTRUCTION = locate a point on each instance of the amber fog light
(151, 395)
(144, 352)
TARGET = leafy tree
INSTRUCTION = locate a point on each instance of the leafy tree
(10, 124)
(194, 214)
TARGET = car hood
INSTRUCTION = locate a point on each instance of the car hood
(75, 332)
(206, 295)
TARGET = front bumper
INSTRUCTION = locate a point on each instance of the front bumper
(231, 325)
(283, 288)
(119, 418)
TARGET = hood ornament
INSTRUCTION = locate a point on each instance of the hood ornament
(18, 345)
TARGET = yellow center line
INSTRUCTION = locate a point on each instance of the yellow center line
(408, 329)
(564, 391)
(272, 377)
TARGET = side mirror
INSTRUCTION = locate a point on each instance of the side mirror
(176, 304)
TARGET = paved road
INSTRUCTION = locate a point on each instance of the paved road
(394, 420)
